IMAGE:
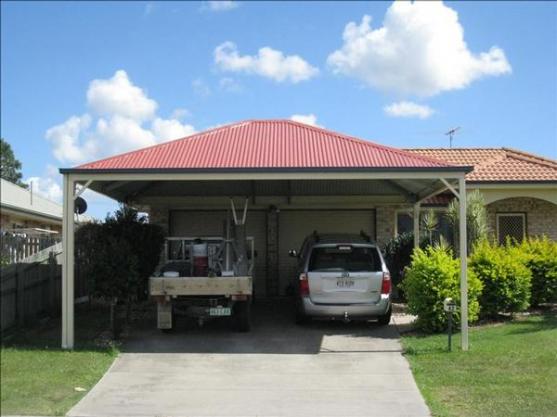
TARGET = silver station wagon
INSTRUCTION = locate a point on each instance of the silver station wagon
(342, 277)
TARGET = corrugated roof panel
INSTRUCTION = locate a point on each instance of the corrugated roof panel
(267, 144)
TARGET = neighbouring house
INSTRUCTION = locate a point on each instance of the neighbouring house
(28, 222)
(20, 208)
(299, 178)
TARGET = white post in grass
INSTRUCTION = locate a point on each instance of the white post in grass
(463, 264)
(68, 264)
(416, 225)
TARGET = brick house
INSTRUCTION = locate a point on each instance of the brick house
(519, 188)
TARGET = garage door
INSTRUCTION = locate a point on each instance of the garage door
(211, 223)
(295, 225)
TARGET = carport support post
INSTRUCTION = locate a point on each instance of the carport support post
(68, 264)
(416, 225)
(463, 264)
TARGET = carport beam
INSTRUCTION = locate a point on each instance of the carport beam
(68, 264)
(463, 264)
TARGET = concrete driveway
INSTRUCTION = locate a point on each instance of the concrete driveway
(278, 369)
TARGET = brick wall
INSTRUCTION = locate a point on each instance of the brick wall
(541, 215)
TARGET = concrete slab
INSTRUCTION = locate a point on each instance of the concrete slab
(278, 369)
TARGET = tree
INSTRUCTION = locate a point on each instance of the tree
(10, 167)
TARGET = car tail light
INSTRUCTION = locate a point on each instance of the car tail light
(304, 285)
(386, 283)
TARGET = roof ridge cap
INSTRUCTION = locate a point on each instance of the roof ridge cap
(526, 156)
(366, 142)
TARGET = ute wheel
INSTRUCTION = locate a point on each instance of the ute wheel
(242, 314)
(385, 319)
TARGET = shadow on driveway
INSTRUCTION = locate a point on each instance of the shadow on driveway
(273, 332)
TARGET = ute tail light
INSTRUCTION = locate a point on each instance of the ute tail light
(386, 283)
(304, 285)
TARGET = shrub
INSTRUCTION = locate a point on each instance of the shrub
(433, 276)
(540, 256)
(119, 255)
(398, 253)
(506, 280)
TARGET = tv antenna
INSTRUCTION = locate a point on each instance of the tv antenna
(451, 134)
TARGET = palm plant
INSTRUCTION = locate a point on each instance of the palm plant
(476, 219)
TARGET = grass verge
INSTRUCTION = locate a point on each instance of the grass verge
(39, 378)
(510, 370)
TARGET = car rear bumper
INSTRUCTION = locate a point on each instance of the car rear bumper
(359, 311)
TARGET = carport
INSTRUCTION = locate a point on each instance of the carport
(294, 176)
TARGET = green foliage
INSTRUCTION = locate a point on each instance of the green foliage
(10, 167)
(434, 275)
(540, 257)
(476, 219)
(505, 278)
(398, 253)
(119, 255)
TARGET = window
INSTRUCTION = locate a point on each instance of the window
(442, 227)
(511, 225)
(344, 258)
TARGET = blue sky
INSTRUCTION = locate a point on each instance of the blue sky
(185, 67)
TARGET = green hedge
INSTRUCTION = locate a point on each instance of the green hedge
(434, 275)
(540, 257)
(506, 279)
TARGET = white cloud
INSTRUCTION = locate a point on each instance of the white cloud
(308, 119)
(268, 63)
(65, 138)
(47, 186)
(121, 134)
(230, 85)
(419, 50)
(200, 87)
(118, 122)
(168, 129)
(222, 5)
(408, 109)
(118, 95)
(180, 113)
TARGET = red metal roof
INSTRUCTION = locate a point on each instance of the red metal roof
(496, 164)
(267, 144)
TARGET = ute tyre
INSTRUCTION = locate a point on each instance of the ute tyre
(242, 313)
(385, 319)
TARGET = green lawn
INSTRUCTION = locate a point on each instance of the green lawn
(510, 370)
(39, 378)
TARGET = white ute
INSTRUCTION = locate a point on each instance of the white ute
(206, 277)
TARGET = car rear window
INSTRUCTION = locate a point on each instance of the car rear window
(344, 258)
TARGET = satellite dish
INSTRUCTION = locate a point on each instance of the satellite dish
(80, 205)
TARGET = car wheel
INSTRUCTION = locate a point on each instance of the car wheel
(242, 310)
(385, 319)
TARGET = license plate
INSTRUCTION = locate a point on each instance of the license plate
(345, 283)
(220, 311)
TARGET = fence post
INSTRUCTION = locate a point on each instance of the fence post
(20, 296)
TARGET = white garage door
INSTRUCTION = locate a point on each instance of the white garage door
(211, 223)
(295, 225)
